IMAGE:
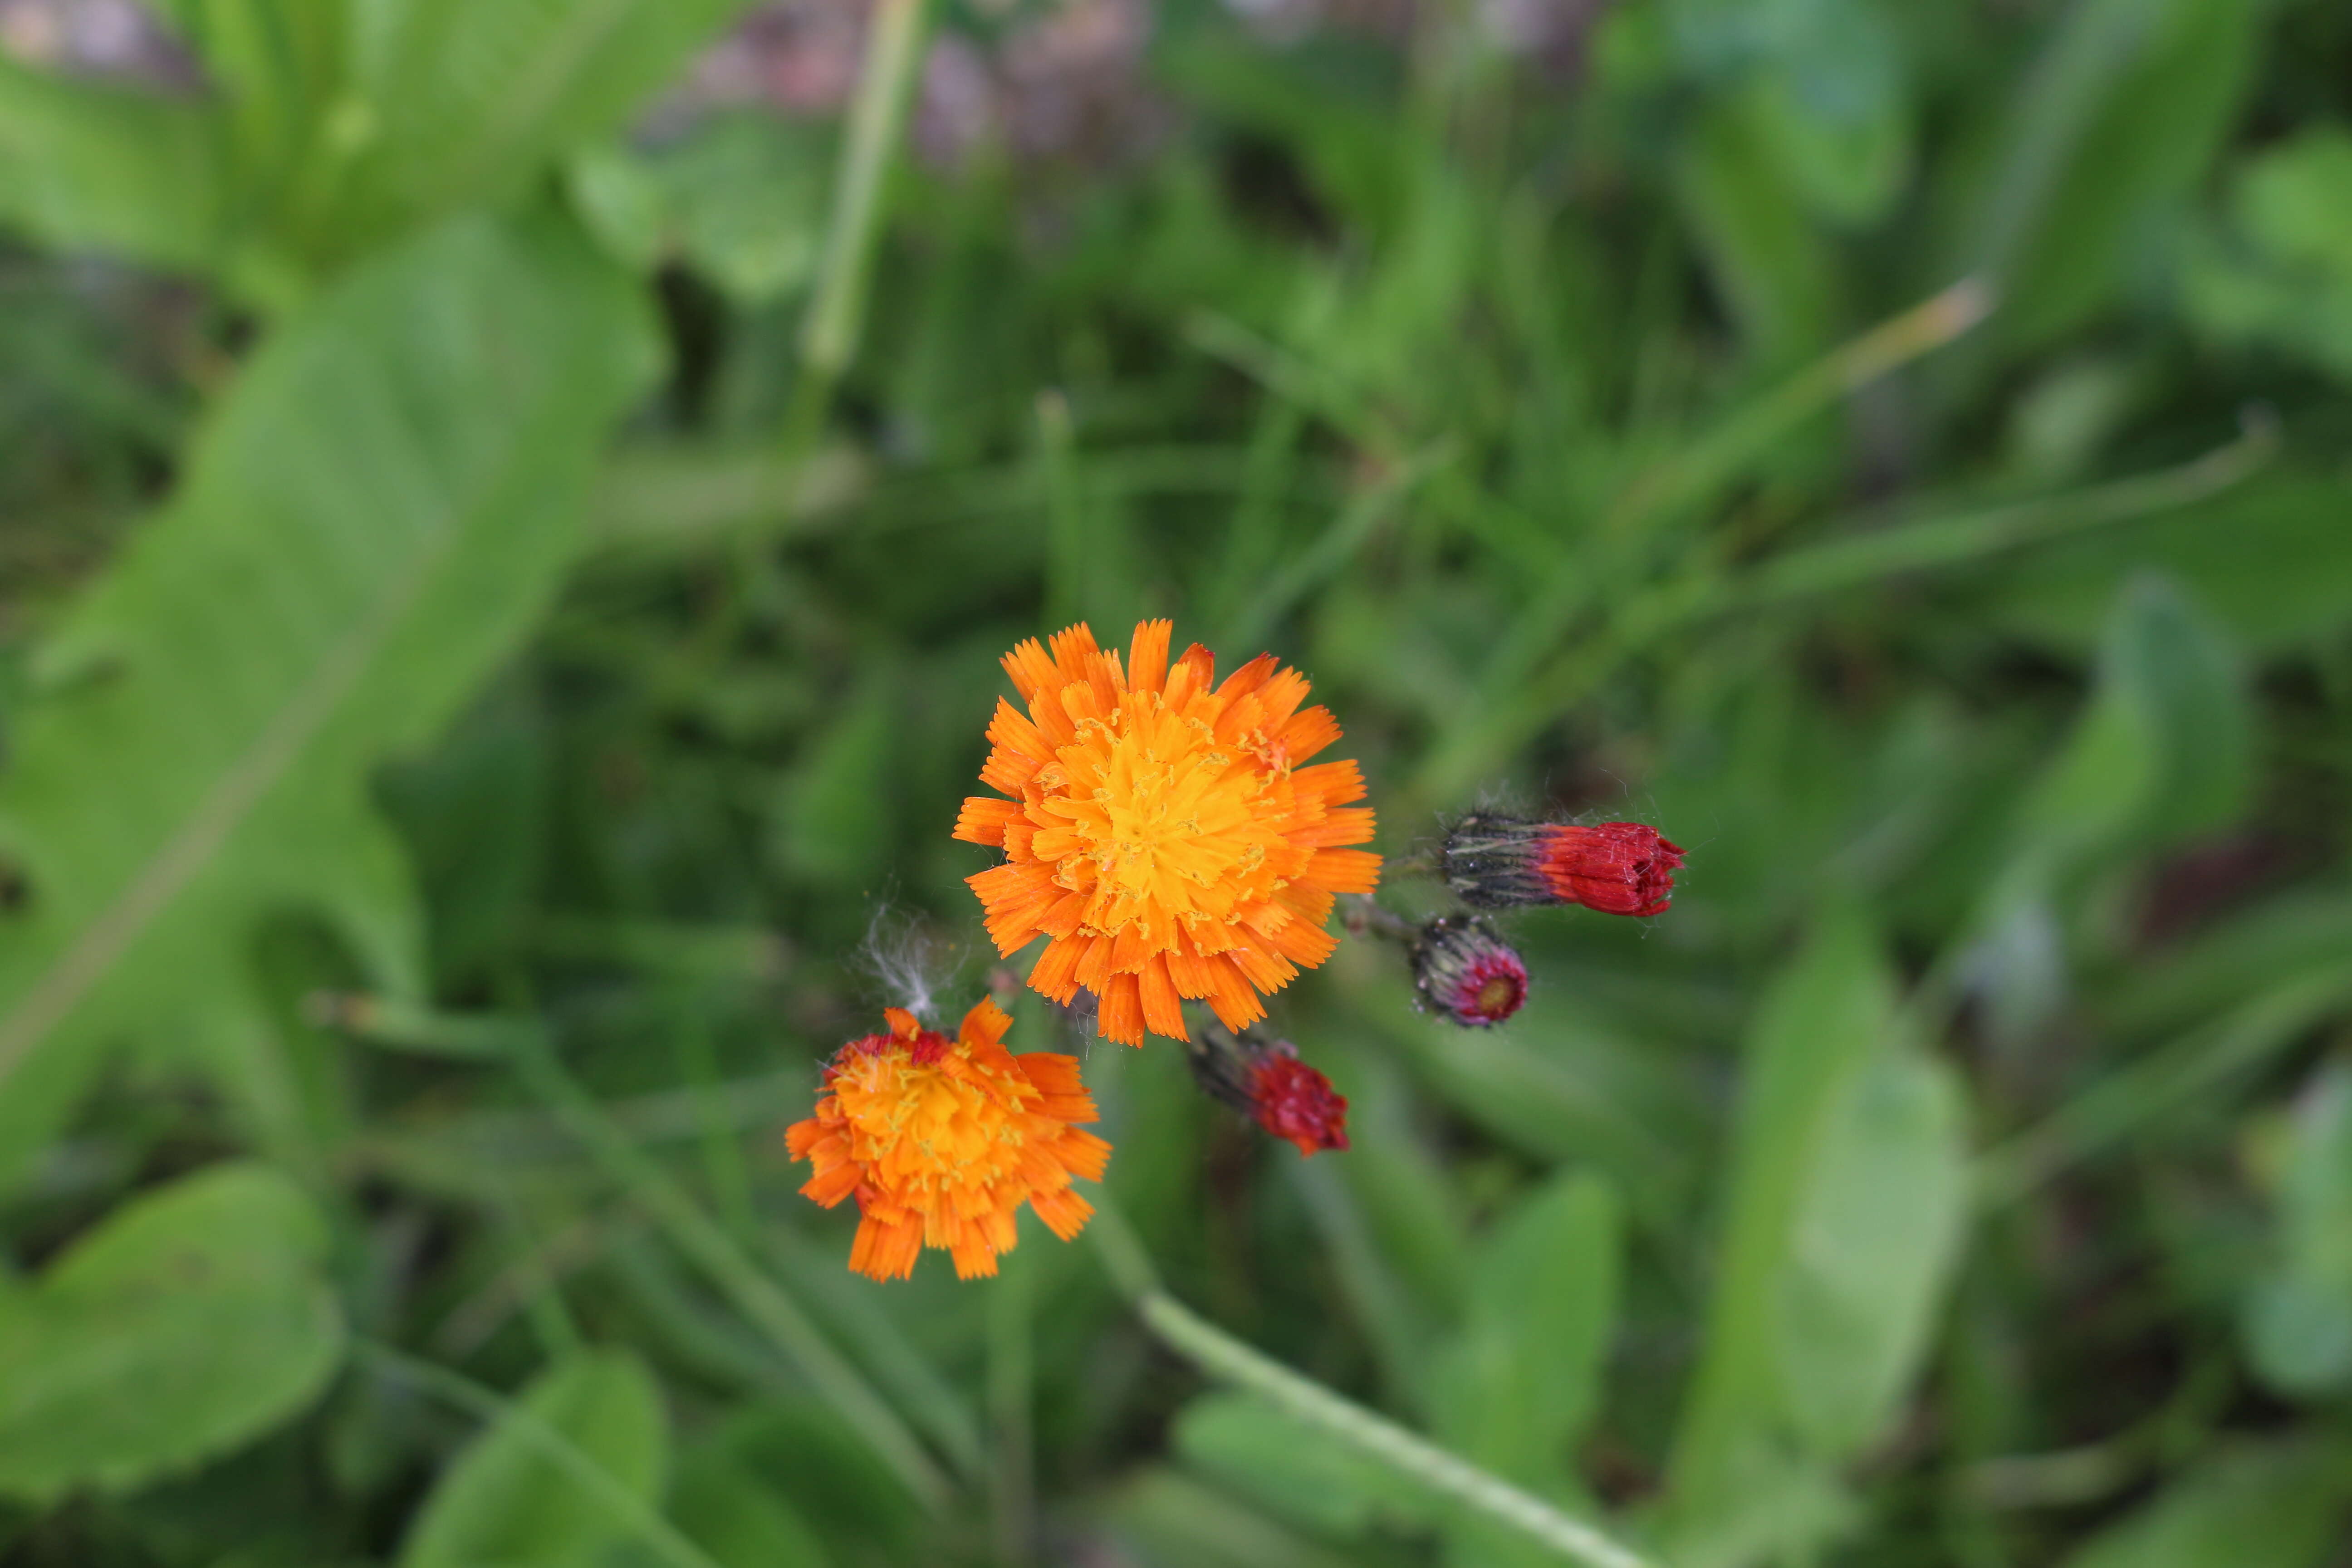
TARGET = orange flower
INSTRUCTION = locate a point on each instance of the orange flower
(1164, 835)
(943, 1141)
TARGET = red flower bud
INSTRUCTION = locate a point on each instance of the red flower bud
(1467, 972)
(1292, 1101)
(1617, 867)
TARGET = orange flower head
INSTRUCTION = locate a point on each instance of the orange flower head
(1162, 831)
(943, 1141)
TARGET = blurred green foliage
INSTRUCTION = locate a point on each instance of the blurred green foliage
(430, 655)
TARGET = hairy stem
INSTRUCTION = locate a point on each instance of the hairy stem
(1228, 1360)
(877, 119)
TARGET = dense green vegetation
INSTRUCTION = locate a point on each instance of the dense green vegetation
(499, 599)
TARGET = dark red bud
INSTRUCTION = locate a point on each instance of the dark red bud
(1617, 867)
(1292, 1101)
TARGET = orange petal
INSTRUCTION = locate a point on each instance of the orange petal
(1306, 945)
(828, 1187)
(1163, 1012)
(1304, 735)
(1074, 649)
(985, 1024)
(1030, 671)
(1147, 656)
(1281, 696)
(1248, 677)
(1065, 1213)
(1345, 870)
(1055, 974)
(1346, 824)
(982, 820)
(974, 1258)
(1120, 1016)
(1338, 783)
(885, 1251)
(1193, 674)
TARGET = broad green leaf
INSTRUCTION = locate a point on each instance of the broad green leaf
(2298, 1315)
(827, 1476)
(743, 1522)
(748, 198)
(1820, 87)
(2270, 1505)
(458, 102)
(1292, 1470)
(1169, 1518)
(1413, 1214)
(276, 67)
(191, 1321)
(379, 509)
(2163, 750)
(620, 199)
(2282, 274)
(2115, 121)
(1518, 1384)
(1832, 1209)
(741, 201)
(504, 1501)
(2162, 753)
(1877, 1233)
(1846, 160)
(2272, 559)
(1513, 1391)
(90, 167)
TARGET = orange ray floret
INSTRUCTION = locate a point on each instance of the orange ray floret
(1163, 833)
(943, 1141)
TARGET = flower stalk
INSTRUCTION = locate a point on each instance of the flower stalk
(1228, 1360)
(877, 120)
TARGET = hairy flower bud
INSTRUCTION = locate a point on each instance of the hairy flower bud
(1269, 1084)
(1292, 1101)
(1465, 971)
(1618, 867)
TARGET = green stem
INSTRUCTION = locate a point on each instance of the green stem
(735, 1275)
(1747, 435)
(1969, 536)
(656, 1533)
(1698, 471)
(1227, 1359)
(877, 119)
(1221, 1357)
(1012, 1379)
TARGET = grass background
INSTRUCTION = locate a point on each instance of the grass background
(504, 535)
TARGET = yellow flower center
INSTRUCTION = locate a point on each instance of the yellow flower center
(1165, 823)
(923, 1124)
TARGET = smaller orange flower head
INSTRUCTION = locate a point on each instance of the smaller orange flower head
(1162, 832)
(943, 1141)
